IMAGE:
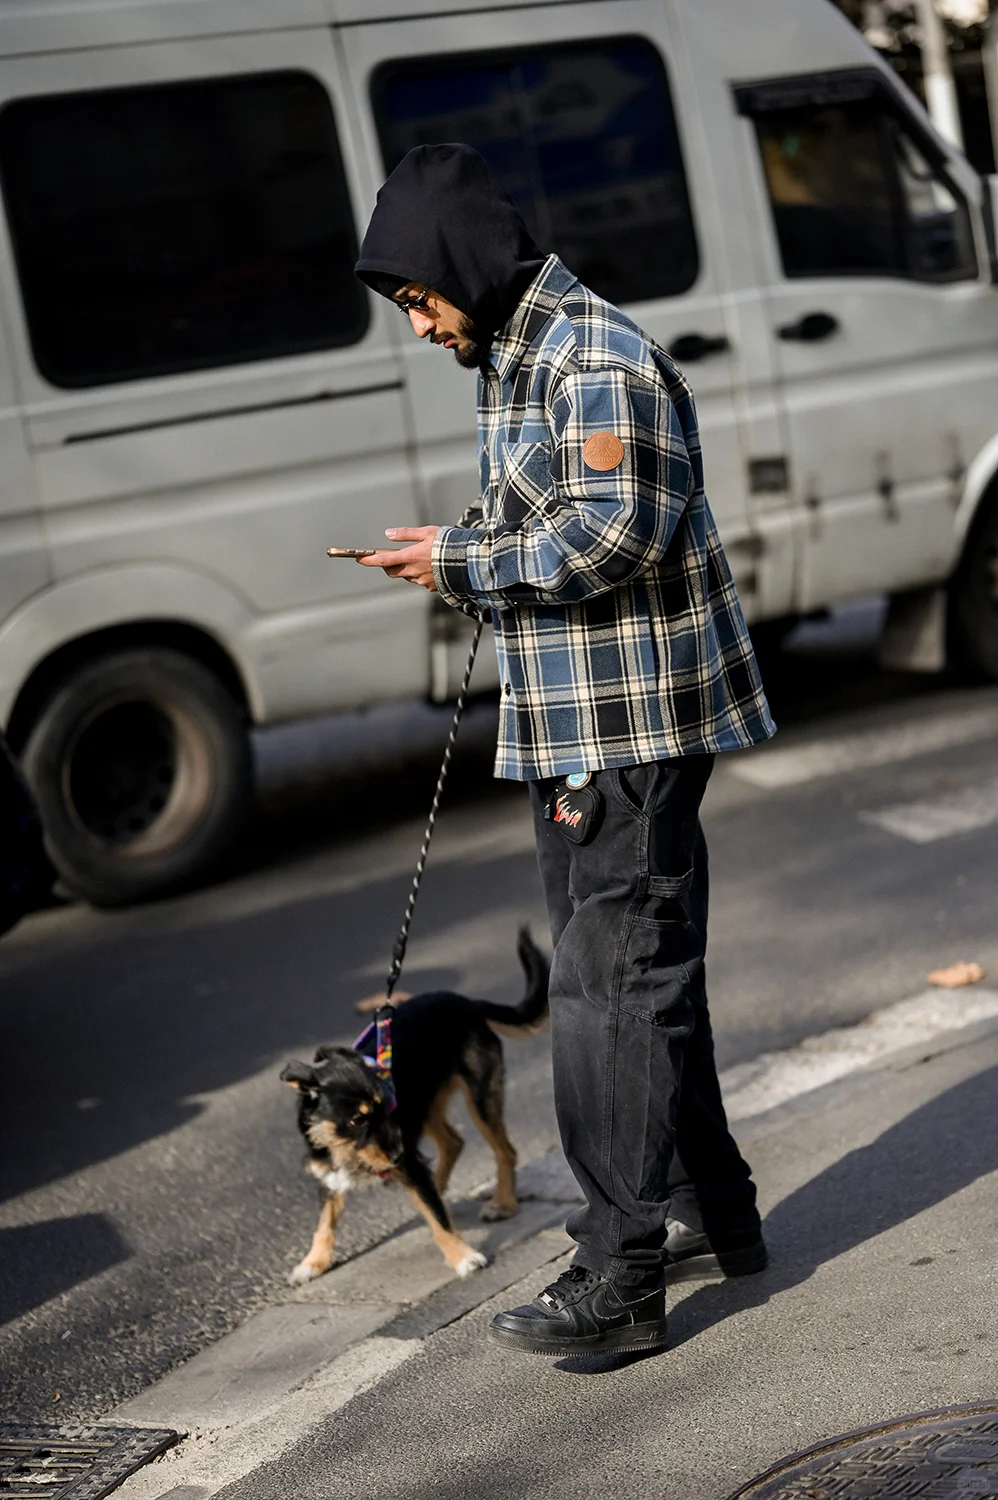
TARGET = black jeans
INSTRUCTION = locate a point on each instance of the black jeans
(636, 1091)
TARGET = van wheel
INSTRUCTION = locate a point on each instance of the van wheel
(974, 596)
(141, 766)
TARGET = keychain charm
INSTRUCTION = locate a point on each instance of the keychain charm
(576, 807)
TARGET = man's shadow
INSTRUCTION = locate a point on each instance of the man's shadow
(924, 1159)
(927, 1157)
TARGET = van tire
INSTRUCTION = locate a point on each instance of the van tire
(141, 765)
(973, 595)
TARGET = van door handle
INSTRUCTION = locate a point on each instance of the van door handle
(811, 329)
(693, 346)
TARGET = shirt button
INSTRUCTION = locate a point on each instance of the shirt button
(506, 689)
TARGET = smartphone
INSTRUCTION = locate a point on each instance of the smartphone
(351, 551)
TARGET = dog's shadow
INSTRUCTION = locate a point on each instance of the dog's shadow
(933, 1153)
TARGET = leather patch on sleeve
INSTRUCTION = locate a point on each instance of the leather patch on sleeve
(603, 451)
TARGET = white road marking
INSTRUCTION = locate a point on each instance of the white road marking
(208, 1462)
(951, 812)
(795, 765)
(752, 1088)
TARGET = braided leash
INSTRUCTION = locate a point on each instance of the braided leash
(398, 951)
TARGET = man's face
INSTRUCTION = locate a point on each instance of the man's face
(445, 324)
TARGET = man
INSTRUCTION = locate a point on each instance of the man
(625, 666)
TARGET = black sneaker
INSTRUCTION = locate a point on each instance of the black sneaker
(688, 1252)
(584, 1313)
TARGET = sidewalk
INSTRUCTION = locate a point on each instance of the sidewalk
(882, 1220)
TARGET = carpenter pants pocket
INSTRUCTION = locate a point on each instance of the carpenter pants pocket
(655, 1016)
(665, 797)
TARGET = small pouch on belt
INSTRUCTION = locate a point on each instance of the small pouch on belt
(576, 806)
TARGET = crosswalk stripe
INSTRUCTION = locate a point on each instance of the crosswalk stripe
(795, 765)
(752, 1088)
(954, 812)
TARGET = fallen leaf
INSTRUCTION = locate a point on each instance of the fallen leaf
(57, 1396)
(956, 975)
(371, 1002)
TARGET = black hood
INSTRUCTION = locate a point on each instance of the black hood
(444, 219)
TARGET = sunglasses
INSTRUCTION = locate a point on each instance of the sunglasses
(419, 303)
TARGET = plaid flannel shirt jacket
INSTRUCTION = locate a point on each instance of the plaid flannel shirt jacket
(618, 629)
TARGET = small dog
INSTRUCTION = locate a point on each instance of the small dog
(440, 1042)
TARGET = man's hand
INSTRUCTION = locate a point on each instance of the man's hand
(412, 563)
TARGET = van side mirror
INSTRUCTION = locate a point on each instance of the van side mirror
(989, 208)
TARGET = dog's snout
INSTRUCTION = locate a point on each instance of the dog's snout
(392, 1145)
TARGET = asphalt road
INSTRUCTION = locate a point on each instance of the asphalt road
(150, 1185)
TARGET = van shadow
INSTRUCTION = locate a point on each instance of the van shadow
(38, 1261)
(926, 1158)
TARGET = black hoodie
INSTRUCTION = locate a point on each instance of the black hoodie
(444, 220)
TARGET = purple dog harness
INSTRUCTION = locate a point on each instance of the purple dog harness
(380, 1063)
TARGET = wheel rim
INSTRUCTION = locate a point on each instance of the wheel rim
(138, 776)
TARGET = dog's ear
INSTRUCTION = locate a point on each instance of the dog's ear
(301, 1077)
(329, 1050)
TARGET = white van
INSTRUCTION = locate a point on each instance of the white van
(197, 396)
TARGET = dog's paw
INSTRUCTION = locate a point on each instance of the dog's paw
(491, 1212)
(305, 1272)
(472, 1262)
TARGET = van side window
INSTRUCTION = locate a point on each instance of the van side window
(584, 138)
(180, 226)
(852, 193)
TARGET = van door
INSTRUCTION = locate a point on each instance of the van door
(587, 113)
(882, 319)
(212, 397)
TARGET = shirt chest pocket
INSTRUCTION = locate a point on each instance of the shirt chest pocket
(523, 484)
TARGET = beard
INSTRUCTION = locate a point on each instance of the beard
(476, 353)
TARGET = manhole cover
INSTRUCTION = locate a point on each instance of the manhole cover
(951, 1454)
(55, 1463)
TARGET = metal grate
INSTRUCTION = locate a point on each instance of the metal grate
(950, 1454)
(39, 1462)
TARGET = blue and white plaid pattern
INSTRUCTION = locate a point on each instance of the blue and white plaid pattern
(619, 632)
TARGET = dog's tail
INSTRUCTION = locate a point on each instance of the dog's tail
(533, 1008)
